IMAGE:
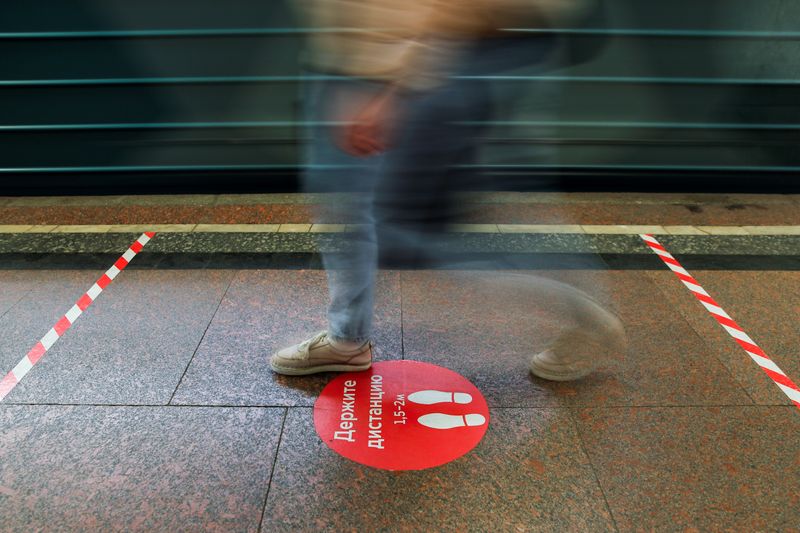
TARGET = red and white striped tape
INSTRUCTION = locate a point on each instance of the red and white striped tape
(735, 330)
(24, 366)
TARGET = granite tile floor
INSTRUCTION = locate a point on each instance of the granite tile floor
(765, 304)
(265, 310)
(157, 410)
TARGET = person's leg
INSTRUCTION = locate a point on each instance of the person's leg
(436, 153)
(414, 198)
(350, 260)
(351, 270)
(423, 171)
(351, 283)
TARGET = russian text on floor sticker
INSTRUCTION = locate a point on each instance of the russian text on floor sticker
(401, 415)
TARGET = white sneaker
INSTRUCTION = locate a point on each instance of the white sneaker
(317, 354)
(576, 352)
(548, 365)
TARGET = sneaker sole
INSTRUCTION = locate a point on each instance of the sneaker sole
(554, 376)
(287, 371)
(551, 373)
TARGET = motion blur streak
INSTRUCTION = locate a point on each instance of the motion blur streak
(401, 128)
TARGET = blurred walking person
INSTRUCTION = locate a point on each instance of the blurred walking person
(394, 108)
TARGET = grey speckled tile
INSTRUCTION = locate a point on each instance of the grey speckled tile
(732, 244)
(14, 285)
(702, 244)
(80, 468)
(50, 295)
(511, 242)
(132, 345)
(697, 469)
(528, 474)
(15, 242)
(233, 242)
(265, 311)
(67, 242)
(619, 244)
(199, 242)
(214, 242)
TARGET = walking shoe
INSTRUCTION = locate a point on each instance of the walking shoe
(566, 360)
(577, 351)
(317, 354)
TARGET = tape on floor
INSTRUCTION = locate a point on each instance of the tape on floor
(56, 332)
(778, 376)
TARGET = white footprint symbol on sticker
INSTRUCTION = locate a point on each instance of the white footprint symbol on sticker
(443, 421)
(429, 397)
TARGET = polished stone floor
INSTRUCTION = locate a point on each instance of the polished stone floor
(157, 410)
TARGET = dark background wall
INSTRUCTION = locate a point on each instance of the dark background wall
(156, 94)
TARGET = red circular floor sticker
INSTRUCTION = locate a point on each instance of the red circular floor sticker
(401, 415)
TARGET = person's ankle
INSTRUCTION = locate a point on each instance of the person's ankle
(347, 345)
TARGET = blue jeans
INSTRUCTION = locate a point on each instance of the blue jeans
(405, 195)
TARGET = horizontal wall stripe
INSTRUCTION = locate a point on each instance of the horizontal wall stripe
(163, 125)
(198, 80)
(669, 33)
(643, 80)
(201, 32)
(304, 124)
(293, 168)
(204, 80)
(634, 125)
(240, 32)
(498, 141)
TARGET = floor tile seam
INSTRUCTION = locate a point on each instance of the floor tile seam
(716, 355)
(687, 406)
(309, 407)
(203, 336)
(677, 310)
(584, 449)
(272, 470)
(16, 303)
(640, 406)
(402, 323)
(144, 405)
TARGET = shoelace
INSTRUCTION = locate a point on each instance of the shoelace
(313, 340)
